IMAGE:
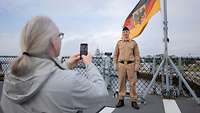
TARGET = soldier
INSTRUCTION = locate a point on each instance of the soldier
(126, 62)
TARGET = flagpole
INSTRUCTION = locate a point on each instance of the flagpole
(165, 64)
(166, 39)
(168, 59)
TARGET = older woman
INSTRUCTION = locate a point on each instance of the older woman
(37, 83)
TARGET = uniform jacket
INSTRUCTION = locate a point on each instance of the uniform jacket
(127, 50)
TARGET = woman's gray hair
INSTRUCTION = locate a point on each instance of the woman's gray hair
(36, 41)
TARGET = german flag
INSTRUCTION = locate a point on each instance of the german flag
(140, 15)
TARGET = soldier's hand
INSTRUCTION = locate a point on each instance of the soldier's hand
(115, 67)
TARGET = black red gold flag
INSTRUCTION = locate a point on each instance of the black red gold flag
(140, 15)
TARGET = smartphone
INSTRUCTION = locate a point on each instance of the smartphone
(83, 49)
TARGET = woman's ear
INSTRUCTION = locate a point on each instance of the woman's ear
(53, 47)
(53, 43)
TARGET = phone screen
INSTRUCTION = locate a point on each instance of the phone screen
(83, 49)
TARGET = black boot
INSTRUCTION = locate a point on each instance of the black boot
(135, 105)
(120, 103)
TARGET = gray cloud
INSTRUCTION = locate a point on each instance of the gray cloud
(99, 24)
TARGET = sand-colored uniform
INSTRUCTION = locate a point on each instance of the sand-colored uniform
(127, 60)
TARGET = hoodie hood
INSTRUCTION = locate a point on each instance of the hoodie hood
(21, 89)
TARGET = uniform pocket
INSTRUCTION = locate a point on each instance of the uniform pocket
(131, 47)
(121, 46)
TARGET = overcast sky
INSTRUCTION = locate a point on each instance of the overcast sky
(99, 23)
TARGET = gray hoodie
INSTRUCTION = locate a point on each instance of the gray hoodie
(50, 89)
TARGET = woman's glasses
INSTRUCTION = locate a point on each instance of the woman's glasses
(61, 35)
